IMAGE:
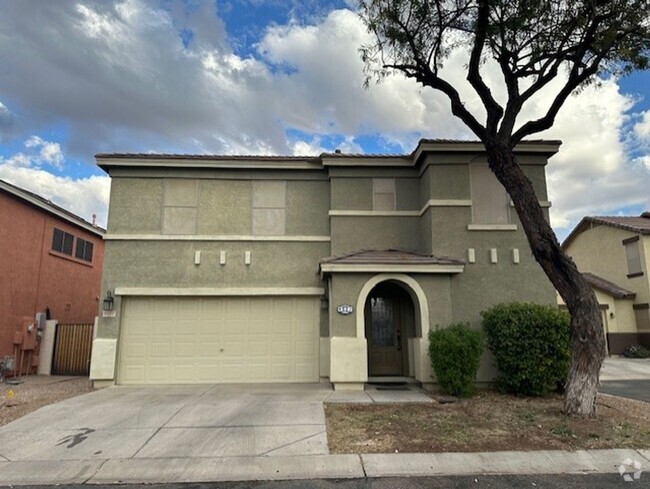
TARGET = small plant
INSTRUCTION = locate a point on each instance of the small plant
(531, 346)
(636, 351)
(563, 430)
(455, 354)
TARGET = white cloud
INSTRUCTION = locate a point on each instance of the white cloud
(642, 128)
(49, 152)
(84, 196)
(593, 172)
(42, 152)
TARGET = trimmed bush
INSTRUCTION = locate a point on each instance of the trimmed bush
(531, 344)
(636, 351)
(455, 354)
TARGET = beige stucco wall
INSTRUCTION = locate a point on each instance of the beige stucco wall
(354, 233)
(599, 250)
(135, 205)
(224, 207)
(619, 312)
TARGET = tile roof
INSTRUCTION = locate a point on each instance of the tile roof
(336, 154)
(636, 224)
(170, 156)
(391, 256)
(609, 287)
(50, 206)
(639, 224)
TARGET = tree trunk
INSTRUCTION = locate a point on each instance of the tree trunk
(587, 336)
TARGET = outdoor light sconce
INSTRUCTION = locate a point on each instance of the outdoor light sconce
(108, 302)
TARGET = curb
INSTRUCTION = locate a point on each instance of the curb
(222, 469)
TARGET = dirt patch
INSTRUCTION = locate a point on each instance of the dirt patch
(486, 422)
(36, 392)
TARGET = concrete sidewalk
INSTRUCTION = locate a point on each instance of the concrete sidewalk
(219, 469)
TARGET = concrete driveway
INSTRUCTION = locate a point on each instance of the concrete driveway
(173, 421)
(626, 377)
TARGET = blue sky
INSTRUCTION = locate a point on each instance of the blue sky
(259, 77)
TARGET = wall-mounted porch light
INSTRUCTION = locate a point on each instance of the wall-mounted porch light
(108, 301)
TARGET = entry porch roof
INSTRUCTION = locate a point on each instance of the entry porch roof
(391, 260)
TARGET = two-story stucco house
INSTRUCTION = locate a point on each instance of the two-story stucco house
(295, 269)
(613, 252)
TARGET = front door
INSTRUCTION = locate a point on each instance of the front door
(384, 335)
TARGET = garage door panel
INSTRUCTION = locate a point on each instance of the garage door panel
(184, 349)
(160, 350)
(304, 348)
(212, 340)
(281, 372)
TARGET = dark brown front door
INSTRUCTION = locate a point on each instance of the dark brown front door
(383, 335)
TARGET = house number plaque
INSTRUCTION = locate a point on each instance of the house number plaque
(344, 309)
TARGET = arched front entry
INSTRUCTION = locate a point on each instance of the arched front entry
(392, 314)
(390, 323)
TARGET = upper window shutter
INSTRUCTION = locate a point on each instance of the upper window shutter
(633, 258)
(383, 194)
(490, 202)
(269, 208)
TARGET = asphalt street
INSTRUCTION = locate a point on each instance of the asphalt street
(590, 481)
(634, 389)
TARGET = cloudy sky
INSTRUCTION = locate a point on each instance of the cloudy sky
(79, 77)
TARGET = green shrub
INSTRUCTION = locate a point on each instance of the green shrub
(531, 344)
(636, 351)
(455, 354)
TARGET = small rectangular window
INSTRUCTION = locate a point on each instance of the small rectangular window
(68, 240)
(633, 258)
(383, 194)
(57, 240)
(62, 242)
(84, 250)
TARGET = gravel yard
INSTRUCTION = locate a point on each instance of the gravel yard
(37, 391)
(489, 422)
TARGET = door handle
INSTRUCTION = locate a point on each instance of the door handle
(399, 340)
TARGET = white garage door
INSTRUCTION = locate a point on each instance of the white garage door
(203, 340)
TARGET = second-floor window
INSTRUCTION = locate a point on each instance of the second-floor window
(633, 257)
(84, 250)
(62, 242)
(490, 202)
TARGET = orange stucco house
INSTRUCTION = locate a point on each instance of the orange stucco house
(50, 262)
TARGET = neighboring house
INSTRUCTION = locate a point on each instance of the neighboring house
(291, 269)
(614, 254)
(51, 263)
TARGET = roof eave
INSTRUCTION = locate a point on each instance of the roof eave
(108, 162)
(449, 269)
(548, 148)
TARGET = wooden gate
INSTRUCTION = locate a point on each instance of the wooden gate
(72, 347)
